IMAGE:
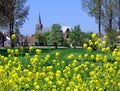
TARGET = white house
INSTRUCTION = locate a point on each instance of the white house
(64, 28)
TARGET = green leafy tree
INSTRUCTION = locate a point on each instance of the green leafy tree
(46, 37)
(111, 41)
(12, 13)
(39, 38)
(56, 35)
(74, 37)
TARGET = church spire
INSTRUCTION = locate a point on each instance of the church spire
(39, 19)
(39, 25)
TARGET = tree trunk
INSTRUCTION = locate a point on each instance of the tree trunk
(99, 18)
(119, 17)
(74, 46)
(11, 32)
(111, 18)
(3, 38)
(55, 44)
(119, 24)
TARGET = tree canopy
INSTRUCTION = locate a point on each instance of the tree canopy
(12, 14)
(56, 35)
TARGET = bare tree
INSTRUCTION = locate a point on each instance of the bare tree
(94, 8)
(12, 13)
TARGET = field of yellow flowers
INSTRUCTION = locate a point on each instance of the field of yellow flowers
(84, 72)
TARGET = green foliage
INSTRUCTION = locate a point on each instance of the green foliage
(38, 36)
(46, 37)
(74, 37)
(112, 37)
(41, 39)
(56, 35)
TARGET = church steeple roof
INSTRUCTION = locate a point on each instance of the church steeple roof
(39, 19)
(39, 25)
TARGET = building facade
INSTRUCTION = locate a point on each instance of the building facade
(39, 25)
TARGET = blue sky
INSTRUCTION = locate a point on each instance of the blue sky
(64, 12)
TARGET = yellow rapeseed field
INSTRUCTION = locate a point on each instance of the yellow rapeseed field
(94, 73)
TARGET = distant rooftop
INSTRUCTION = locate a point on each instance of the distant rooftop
(64, 28)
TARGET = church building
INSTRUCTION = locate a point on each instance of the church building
(39, 25)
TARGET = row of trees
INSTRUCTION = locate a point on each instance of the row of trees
(105, 12)
(56, 37)
(12, 15)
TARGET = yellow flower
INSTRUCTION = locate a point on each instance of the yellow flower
(15, 58)
(71, 84)
(31, 48)
(108, 49)
(89, 48)
(16, 51)
(68, 89)
(119, 85)
(92, 57)
(105, 37)
(92, 65)
(70, 56)
(63, 62)
(96, 42)
(13, 36)
(27, 85)
(84, 45)
(79, 57)
(114, 54)
(92, 73)
(21, 48)
(47, 79)
(57, 54)
(90, 41)
(50, 83)
(47, 57)
(37, 87)
(59, 82)
(30, 74)
(104, 42)
(38, 51)
(106, 83)
(103, 49)
(94, 36)
(85, 55)
(8, 50)
(37, 74)
(98, 57)
(12, 51)
(27, 54)
(42, 74)
(118, 54)
(105, 59)
(99, 45)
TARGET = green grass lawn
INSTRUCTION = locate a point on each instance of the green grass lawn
(64, 52)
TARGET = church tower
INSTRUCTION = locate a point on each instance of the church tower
(39, 25)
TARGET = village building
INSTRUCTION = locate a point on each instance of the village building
(32, 40)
